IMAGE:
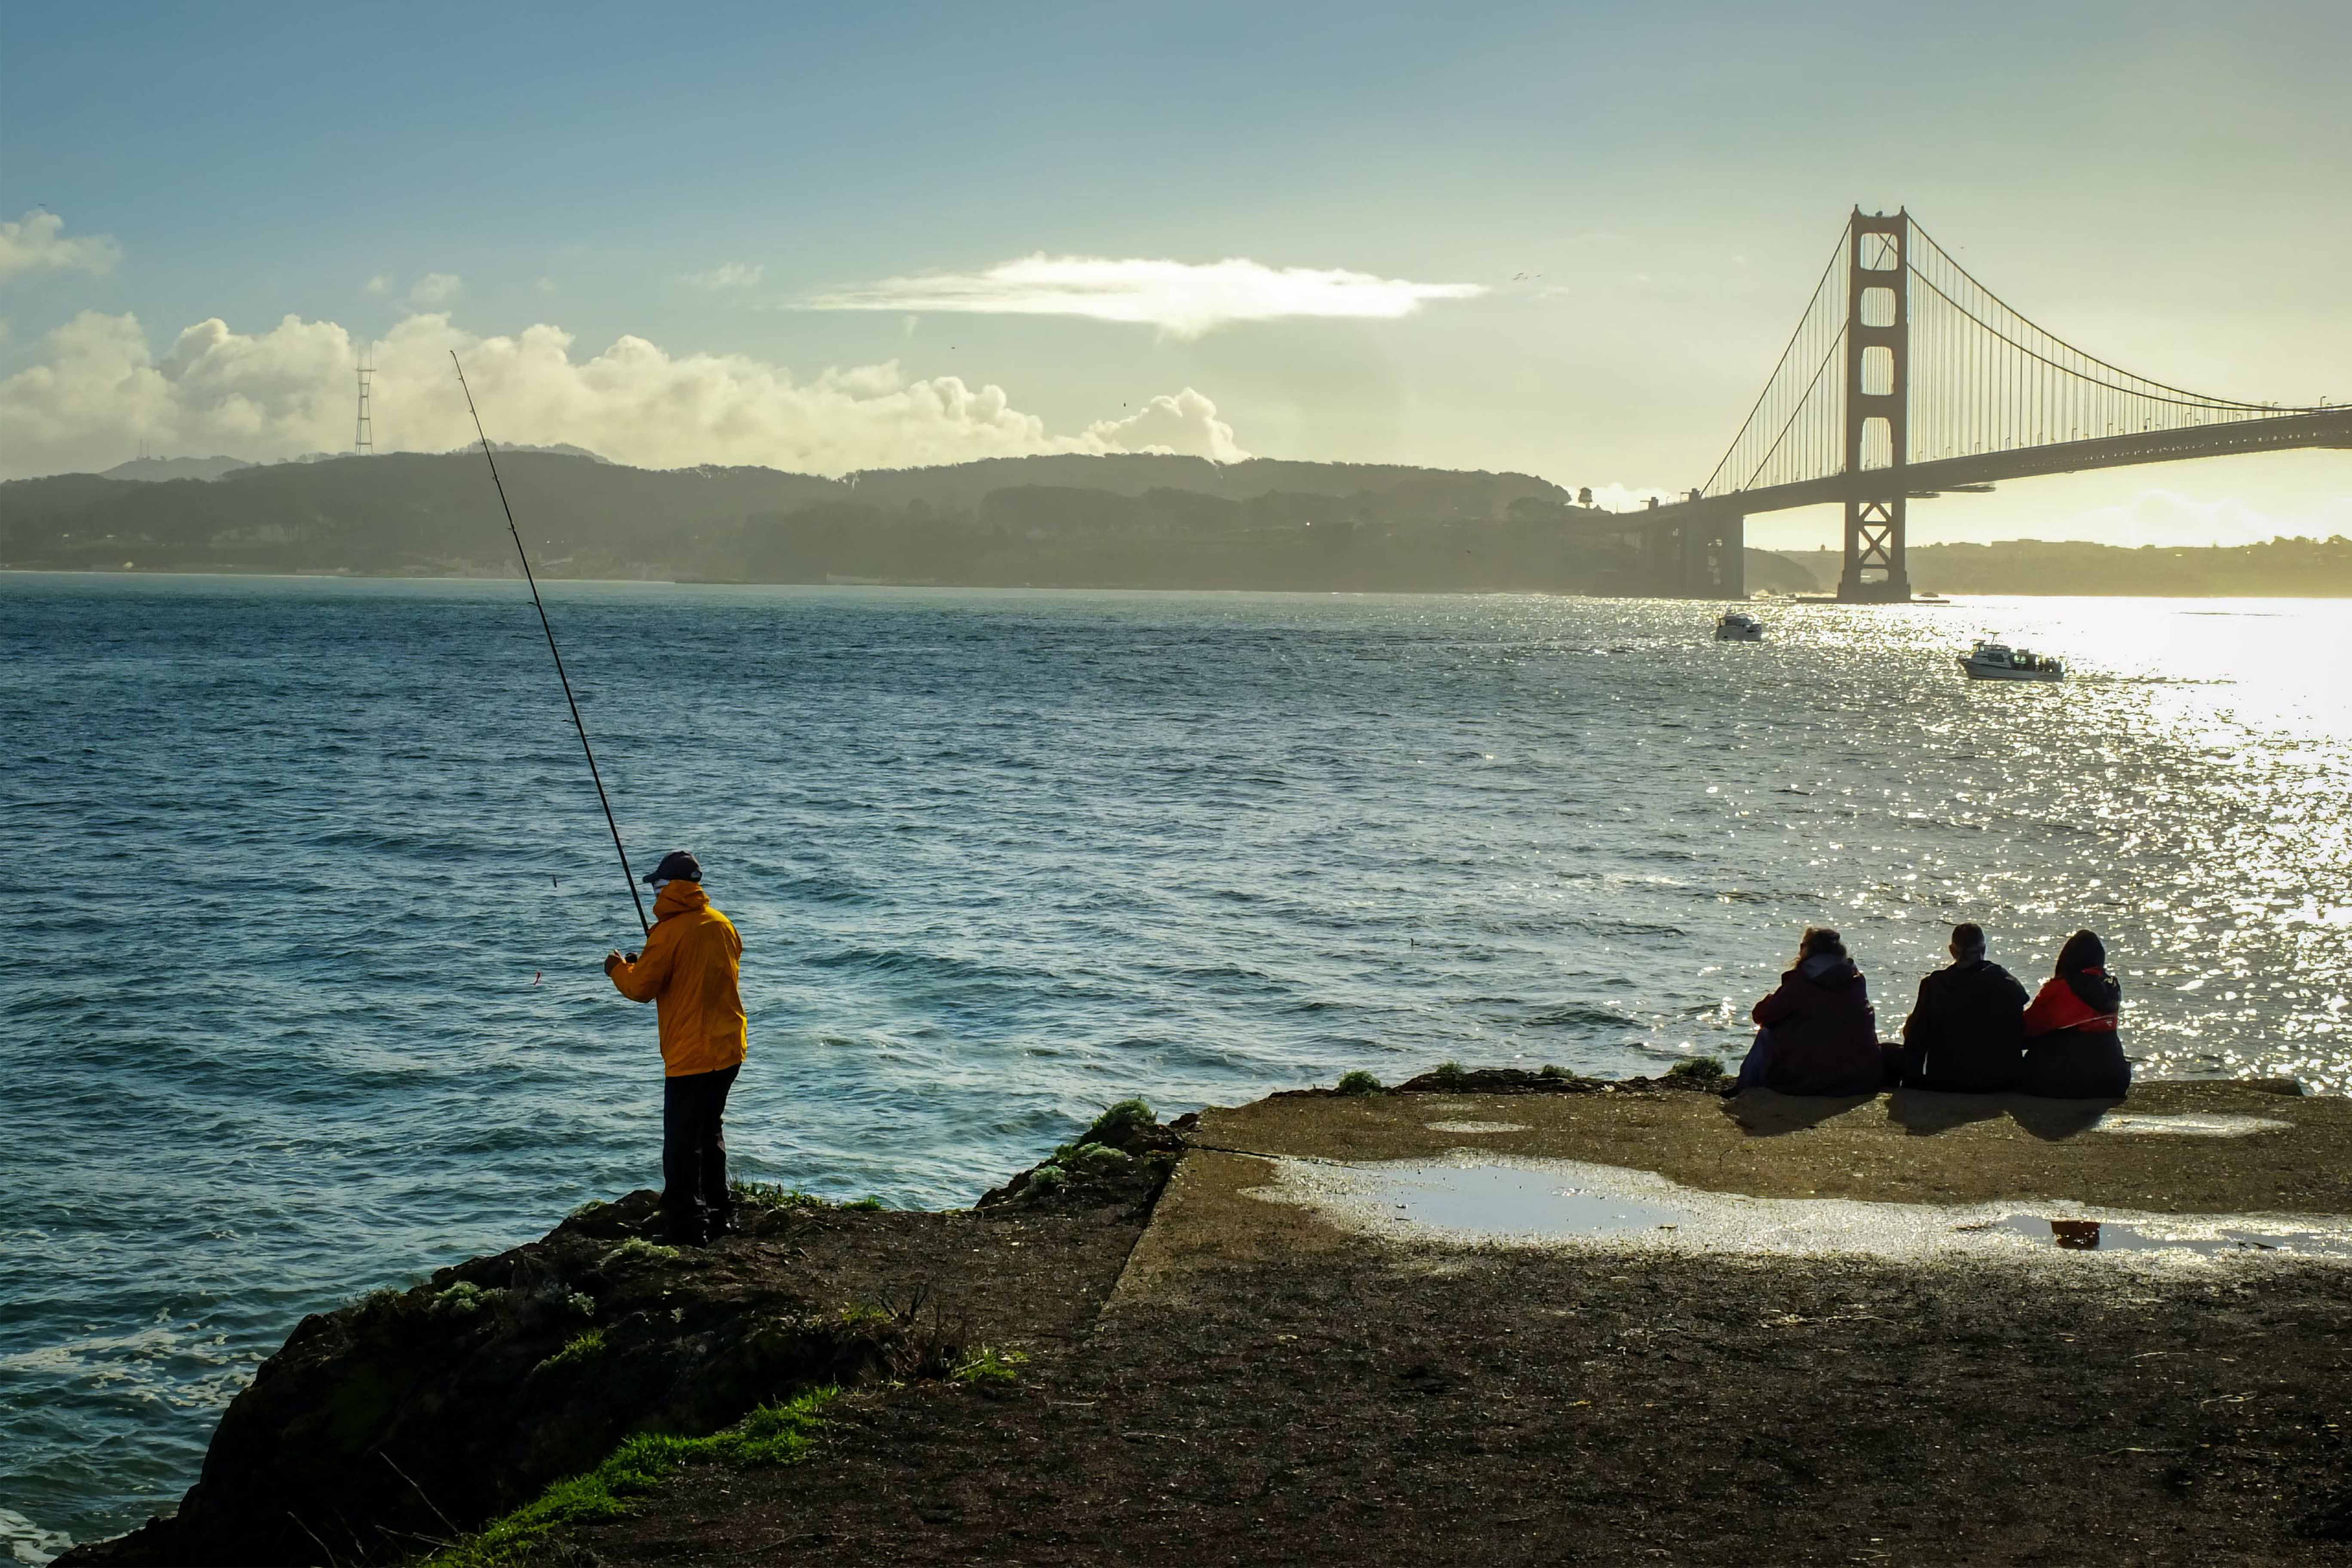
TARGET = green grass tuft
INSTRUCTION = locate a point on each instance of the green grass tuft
(582, 1350)
(637, 1249)
(1704, 1069)
(772, 1196)
(1358, 1082)
(1449, 1074)
(986, 1364)
(771, 1434)
(1553, 1069)
(1115, 1125)
(462, 1299)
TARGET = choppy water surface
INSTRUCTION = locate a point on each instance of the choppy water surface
(305, 996)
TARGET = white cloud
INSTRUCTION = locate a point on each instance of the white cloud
(726, 275)
(434, 289)
(380, 284)
(1186, 423)
(37, 243)
(98, 391)
(544, 284)
(1180, 299)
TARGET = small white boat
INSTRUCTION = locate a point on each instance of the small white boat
(1740, 627)
(1998, 661)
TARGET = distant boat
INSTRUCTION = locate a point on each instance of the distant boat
(1740, 627)
(1998, 661)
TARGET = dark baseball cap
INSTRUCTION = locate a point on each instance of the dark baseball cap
(677, 865)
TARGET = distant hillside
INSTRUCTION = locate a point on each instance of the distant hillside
(1124, 521)
(154, 469)
(2281, 568)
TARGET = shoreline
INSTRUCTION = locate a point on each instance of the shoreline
(1143, 1269)
(1942, 598)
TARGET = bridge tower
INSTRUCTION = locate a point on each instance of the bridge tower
(1877, 407)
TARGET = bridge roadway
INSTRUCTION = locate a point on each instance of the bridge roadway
(2328, 428)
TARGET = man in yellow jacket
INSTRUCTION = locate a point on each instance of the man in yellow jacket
(691, 968)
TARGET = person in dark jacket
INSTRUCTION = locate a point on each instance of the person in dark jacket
(1966, 1033)
(2072, 1048)
(1819, 1034)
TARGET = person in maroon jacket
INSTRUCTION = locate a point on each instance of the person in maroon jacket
(1820, 1034)
(2072, 1048)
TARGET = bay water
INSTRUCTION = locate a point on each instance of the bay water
(304, 996)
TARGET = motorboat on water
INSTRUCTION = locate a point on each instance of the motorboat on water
(1998, 661)
(1740, 627)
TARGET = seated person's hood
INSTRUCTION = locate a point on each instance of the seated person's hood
(1828, 971)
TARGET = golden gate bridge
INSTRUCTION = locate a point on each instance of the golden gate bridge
(1906, 377)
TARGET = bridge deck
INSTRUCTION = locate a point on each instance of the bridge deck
(2331, 427)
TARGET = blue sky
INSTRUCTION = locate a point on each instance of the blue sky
(2162, 184)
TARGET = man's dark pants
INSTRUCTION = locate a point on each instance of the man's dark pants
(695, 1202)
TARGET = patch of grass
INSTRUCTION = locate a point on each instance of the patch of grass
(1449, 1074)
(1358, 1082)
(1699, 1070)
(582, 1350)
(986, 1364)
(1553, 1069)
(1116, 1124)
(773, 1196)
(637, 1249)
(771, 1434)
(581, 1303)
(867, 1315)
(1044, 1179)
(462, 1299)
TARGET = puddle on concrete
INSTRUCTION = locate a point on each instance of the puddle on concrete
(1472, 1200)
(1476, 1126)
(2107, 1235)
(2208, 1125)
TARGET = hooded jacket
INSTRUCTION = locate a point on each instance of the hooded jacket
(1966, 1033)
(1824, 1034)
(690, 967)
(2072, 1050)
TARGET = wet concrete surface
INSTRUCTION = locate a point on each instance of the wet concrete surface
(2172, 1148)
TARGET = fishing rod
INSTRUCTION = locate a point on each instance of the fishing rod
(524, 556)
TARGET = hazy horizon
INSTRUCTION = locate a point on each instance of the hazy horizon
(1566, 244)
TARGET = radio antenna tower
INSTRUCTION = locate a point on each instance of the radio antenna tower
(364, 434)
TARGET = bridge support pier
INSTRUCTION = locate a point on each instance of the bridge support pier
(1877, 407)
(1697, 557)
(1875, 571)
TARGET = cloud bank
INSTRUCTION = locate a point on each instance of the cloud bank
(726, 275)
(1180, 299)
(98, 391)
(37, 243)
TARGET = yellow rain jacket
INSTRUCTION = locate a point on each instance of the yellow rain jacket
(690, 965)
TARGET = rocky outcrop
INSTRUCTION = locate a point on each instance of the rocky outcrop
(1122, 1160)
(412, 1415)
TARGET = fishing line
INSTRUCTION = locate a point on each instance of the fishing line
(524, 556)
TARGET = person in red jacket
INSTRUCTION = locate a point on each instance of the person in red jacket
(1820, 1034)
(2072, 1050)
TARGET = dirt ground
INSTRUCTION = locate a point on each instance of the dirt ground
(1262, 1387)
(1381, 1405)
